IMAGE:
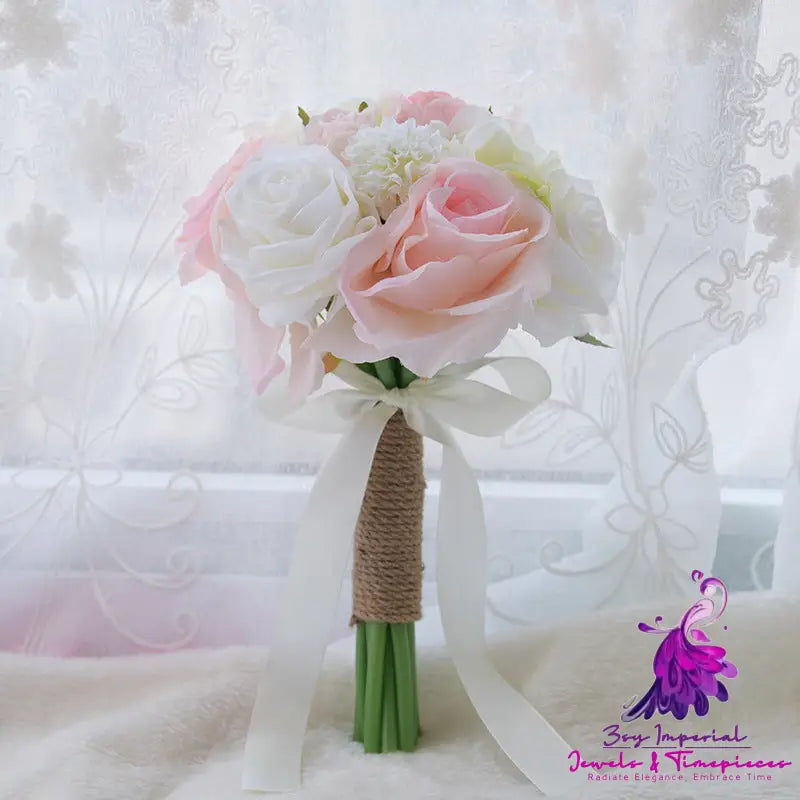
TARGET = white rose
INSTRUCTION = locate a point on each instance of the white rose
(287, 222)
(585, 257)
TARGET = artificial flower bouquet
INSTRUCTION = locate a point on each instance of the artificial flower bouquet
(395, 243)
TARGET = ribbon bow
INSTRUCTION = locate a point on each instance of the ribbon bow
(432, 407)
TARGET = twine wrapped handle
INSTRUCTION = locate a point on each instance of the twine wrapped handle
(451, 401)
(387, 561)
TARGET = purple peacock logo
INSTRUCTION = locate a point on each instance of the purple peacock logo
(687, 674)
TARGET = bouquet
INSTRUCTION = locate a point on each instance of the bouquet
(395, 243)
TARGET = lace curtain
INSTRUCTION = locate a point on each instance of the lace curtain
(145, 506)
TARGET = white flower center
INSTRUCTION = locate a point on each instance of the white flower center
(385, 160)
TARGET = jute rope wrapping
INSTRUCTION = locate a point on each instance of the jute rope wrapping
(387, 561)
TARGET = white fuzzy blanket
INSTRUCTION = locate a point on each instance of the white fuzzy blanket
(172, 726)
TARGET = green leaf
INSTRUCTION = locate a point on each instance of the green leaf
(404, 376)
(368, 367)
(587, 338)
(390, 372)
(301, 112)
(490, 110)
(362, 105)
(385, 372)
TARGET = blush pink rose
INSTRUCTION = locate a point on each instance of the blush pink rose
(334, 128)
(454, 269)
(425, 107)
(259, 344)
(260, 349)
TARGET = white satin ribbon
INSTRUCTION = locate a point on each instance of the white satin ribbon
(273, 750)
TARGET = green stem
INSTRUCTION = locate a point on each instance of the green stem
(373, 694)
(406, 700)
(412, 639)
(361, 681)
(389, 738)
(387, 707)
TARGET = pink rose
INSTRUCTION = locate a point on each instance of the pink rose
(260, 348)
(334, 128)
(259, 344)
(425, 107)
(451, 273)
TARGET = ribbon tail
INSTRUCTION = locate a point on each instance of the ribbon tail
(519, 729)
(274, 746)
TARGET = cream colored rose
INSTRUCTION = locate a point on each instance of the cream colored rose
(585, 263)
(287, 223)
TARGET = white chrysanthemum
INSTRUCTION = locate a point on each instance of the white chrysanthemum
(386, 159)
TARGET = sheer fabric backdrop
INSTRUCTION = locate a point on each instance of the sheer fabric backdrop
(144, 505)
